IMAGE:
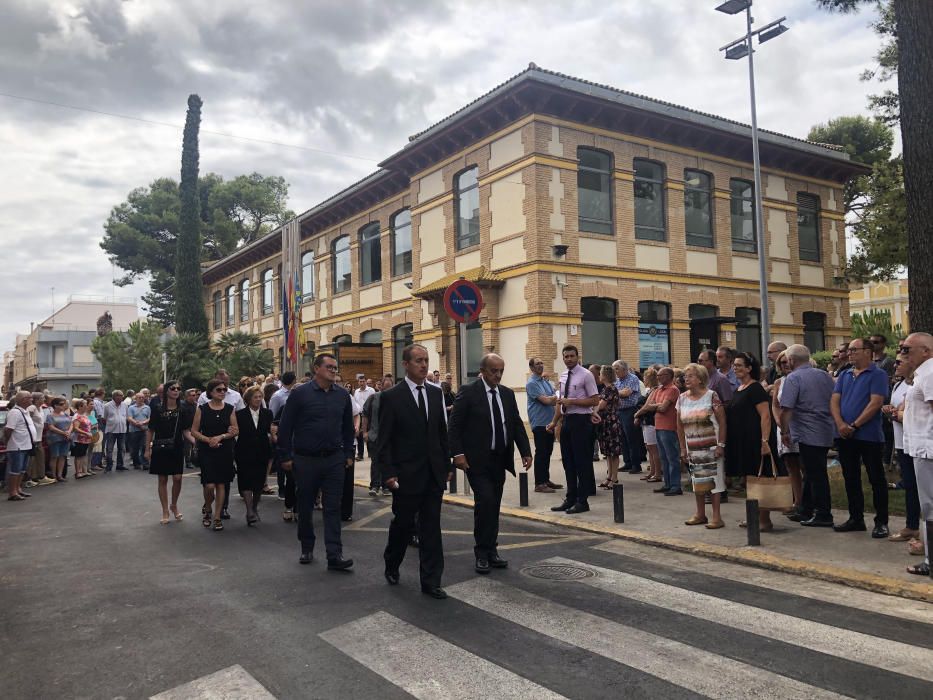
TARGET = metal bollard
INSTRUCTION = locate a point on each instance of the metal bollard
(751, 523)
(618, 504)
(523, 489)
(452, 484)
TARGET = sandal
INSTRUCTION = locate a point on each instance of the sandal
(218, 525)
(163, 520)
(251, 520)
(904, 535)
(915, 547)
(174, 509)
(653, 479)
(206, 518)
(696, 521)
(644, 478)
(715, 525)
(607, 484)
(919, 569)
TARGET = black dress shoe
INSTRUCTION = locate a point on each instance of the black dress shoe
(392, 576)
(880, 532)
(497, 562)
(817, 522)
(482, 566)
(339, 564)
(435, 592)
(306, 558)
(563, 506)
(798, 517)
(578, 508)
(851, 525)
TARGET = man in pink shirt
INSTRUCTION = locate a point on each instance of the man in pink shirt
(577, 395)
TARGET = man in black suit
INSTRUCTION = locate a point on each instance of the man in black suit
(485, 426)
(413, 456)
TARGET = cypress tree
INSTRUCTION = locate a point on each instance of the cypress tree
(190, 316)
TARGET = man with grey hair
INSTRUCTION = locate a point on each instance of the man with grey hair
(20, 436)
(115, 415)
(633, 444)
(807, 421)
(917, 354)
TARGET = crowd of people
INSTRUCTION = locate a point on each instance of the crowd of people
(706, 427)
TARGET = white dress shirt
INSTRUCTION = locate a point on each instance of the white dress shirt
(918, 414)
(492, 420)
(414, 393)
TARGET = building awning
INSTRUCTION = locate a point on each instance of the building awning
(480, 276)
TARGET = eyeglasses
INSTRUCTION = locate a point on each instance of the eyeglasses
(330, 368)
(220, 388)
(857, 349)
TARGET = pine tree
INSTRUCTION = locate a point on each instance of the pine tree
(190, 316)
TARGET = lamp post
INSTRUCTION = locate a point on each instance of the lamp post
(740, 48)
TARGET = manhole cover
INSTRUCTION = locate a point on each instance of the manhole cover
(558, 572)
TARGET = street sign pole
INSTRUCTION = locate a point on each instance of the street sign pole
(463, 355)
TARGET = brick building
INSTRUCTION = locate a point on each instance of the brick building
(586, 214)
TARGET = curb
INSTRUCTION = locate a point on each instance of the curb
(822, 572)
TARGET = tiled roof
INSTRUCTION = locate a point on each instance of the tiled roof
(478, 275)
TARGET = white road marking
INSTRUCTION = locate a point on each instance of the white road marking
(835, 641)
(232, 683)
(692, 668)
(426, 666)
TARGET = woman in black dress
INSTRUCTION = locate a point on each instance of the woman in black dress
(748, 425)
(253, 450)
(214, 427)
(165, 450)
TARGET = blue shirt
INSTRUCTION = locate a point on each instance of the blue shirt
(315, 420)
(278, 400)
(539, 414)
(731, 378)
(629, 381)
(807, 391)
(854, 395)
(139, 413)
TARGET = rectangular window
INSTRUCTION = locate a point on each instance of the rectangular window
(649, 201)
(808, 226)
(748, 330)
(698, 215)
(231, 305)
(341, 265)
(594, 191)
(244, 300)
(307, 276)
(218, 309)
(401, 243)
(814, 331)
(267, 292)
(467, 187)
(742, 214)
(599, 330)
(370, 254)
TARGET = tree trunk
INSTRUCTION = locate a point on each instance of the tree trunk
(915, 85)
(190, 316)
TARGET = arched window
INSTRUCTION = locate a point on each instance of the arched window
(742, 215)
(244, 300)
(342, 339)
(808, 227)
(654, 333)
(650, 216)
(599, 331)
(373, 336)
(401, 243)
(268, 291)
(594, 191)
(814, 331)
(218, 299)
(370, 254)
(307, 276)
(698, 208)
(341, 264)
(231, 304)
(401, 338)
(466, 185)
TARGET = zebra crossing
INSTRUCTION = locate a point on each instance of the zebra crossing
(647, 638)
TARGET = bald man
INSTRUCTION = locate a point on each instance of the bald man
(917, 355)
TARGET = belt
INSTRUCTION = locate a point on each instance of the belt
(315, 453)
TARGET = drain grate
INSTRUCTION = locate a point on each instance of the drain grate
(559, 572)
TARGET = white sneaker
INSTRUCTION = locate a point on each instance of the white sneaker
(29, 484)
(374, 492)
(45, 481)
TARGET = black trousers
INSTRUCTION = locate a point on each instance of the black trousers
(346, 496)
(360, 445)
(851, 455)
(286, 483)
(427, 507)
(324, 474)
(487, 487)
(816, 499)
(544, 448)
(576, 451)
(633, 446)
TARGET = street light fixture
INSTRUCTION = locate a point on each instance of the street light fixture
(734, 50)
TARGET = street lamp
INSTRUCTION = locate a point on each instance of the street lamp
(735, 50)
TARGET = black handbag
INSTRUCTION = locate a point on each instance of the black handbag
(166, 445)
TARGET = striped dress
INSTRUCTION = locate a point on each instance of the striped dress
(701, 430)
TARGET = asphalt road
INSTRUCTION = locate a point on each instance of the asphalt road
(97, 600)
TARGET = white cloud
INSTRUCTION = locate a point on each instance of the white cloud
(346, 77)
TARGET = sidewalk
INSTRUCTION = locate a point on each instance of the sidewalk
(851, 558)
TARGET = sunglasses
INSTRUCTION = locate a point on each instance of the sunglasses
(174, 388)
(221, 388)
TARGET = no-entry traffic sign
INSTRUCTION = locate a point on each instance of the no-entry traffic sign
(463, 301)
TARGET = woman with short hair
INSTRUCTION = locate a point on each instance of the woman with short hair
(645, 420)
(701, 430)
(165, 445)
(214, 427)
(608, 430)
(253, 451)
(58, 436)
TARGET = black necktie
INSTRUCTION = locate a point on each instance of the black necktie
(421, 405)
(499, 439)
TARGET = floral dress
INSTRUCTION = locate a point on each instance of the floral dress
(701, 430)
(609, 431)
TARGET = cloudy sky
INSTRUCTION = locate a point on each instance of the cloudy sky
(339, 85)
